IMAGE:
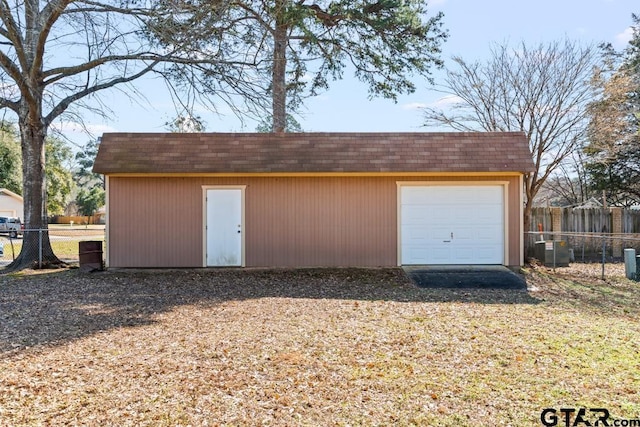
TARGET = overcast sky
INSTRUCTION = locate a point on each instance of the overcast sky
(473, 25)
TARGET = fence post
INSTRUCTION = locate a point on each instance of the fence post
(40, 248)
(556, 220)
(616, 225)
(604, 229)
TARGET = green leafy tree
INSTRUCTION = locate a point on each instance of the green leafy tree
(10, 161)
(614, 128)
(91, 194)
(292, 49)
(542, 91)
(83, 174)
(58, 175)
(292, 125)
(90, 201)
(633, 50)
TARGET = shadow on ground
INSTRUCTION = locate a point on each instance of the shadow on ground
(58, 307)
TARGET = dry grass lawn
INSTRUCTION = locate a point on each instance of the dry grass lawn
(313, 347)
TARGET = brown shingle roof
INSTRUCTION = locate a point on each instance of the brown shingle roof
(312, 152)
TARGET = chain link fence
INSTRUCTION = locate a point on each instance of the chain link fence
(561, 248)
(65, 242)
(584, 247)
(588, 247)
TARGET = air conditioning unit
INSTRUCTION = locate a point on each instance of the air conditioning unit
(552, 253)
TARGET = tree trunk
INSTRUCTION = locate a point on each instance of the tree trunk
(531, 187)
(526, 237)
(36, 247)
(279, 77)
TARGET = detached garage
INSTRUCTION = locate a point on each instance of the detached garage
(313, 199)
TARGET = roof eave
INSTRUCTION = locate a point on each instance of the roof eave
(312, 174)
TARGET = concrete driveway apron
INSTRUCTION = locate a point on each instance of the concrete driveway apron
(465, 276)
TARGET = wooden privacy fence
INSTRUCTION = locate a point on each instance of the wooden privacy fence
(586, 229)
(79, 220)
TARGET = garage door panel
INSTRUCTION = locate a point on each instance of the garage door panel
(464, 255)
(443, 213)
(488, 208)
(415, 214)
(459, 215)
(414, 196)
(439, 255)
(441, 234)
(487, 254)
(415, 255)
(465, 233)
(438, 195)
(431, 215)
(424, 215)
(416, 237)
(486, 194)
(488, 234)
(419, 235)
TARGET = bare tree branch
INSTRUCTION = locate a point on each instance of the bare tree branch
(47, 18)
(12, 105)
(12, 70)
(64, 104)
(542, 91)
(12, 29)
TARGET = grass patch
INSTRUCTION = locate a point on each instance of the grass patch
(312, 347)
(65, 249)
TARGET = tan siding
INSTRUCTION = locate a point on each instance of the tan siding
(310, 221)
(154, 222)
(319, 221)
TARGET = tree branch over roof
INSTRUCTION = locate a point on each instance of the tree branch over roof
(64, 104)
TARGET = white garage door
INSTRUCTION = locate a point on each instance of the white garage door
(452, 224)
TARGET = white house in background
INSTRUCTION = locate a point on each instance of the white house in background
(11, 204)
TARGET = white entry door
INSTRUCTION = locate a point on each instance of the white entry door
(452, 224)
(224, 227)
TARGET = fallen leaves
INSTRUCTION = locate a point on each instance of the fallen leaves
(310, 347)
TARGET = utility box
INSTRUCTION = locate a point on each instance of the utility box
(630, 263)
(552, 253)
